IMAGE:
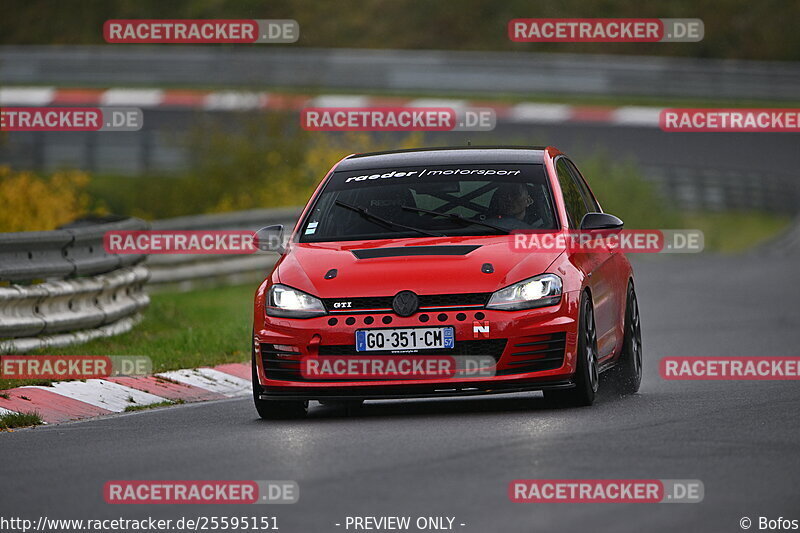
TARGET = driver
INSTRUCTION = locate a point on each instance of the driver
(509, 206)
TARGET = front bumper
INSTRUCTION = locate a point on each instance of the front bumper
(533, 350)
(387, 392)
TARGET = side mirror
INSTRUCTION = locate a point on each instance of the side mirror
(270, 239)
(598, 221)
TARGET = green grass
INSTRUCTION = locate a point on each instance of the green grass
(19, 420)
(10, 383)
(731, 232)
(132, 408)
(181, 330)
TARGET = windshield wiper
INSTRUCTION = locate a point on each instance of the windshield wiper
(385, 221)
(454, 216)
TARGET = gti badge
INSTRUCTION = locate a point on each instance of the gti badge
(342, 305)
(480, 329)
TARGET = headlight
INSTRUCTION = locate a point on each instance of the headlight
(539, 291)
(288, 302)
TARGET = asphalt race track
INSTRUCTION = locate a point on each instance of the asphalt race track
(456, 457)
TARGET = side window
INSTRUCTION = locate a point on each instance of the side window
(588, 198)
(573, 199)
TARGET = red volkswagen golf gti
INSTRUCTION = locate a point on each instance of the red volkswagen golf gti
(407, 258)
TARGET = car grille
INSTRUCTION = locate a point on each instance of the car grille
(528, 354)
(289, 369)
(427, 302)
(535, 354)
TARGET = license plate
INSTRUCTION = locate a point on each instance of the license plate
(370, 340)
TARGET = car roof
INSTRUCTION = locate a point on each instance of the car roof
(444, 156)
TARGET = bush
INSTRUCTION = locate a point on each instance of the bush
(272, 162)
(733, 28)
(31, 203)
(269, 162)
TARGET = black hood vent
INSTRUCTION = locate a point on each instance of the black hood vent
(403, 251)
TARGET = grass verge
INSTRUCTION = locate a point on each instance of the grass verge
(732, 231)
(19, 420)
(181, 330)
(132, 408)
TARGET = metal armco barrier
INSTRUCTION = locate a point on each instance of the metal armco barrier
(75, 250)
(83, 293)
(27, 344)
(54, 313)
(711, 189)
(187, 271)
(399, 70)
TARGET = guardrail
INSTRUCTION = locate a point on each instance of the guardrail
(61, 287)
(427, 71)
(191, 270)
(710, 189)
(73, 250)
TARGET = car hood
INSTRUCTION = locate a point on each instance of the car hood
(437, 265)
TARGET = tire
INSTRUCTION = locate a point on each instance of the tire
(275, 409)
(587, 375)
(626, 376)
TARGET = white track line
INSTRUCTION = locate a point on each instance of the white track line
(103, 394)
(212, 380)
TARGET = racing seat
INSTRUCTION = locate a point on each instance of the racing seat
(384, 201)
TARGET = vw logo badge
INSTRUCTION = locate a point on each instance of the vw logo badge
(405, 303)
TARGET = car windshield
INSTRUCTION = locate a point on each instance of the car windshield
(447, 200)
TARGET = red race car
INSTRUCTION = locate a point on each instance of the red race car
(409, 275)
